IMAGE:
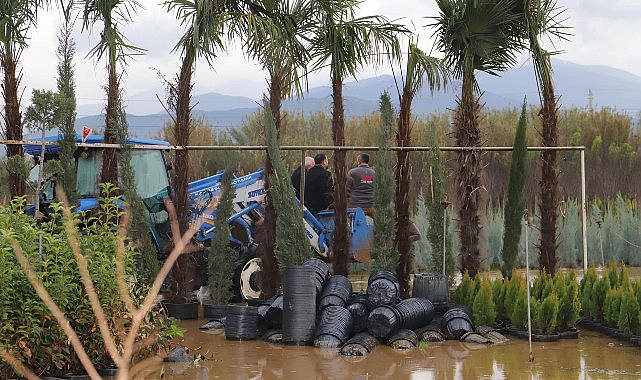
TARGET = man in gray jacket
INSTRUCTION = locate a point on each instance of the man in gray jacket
(360, 185)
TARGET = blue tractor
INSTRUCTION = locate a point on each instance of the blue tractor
(153, 186)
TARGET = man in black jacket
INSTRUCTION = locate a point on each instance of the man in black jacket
(309, 163)
(317, 185)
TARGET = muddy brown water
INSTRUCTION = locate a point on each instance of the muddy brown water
(591, 356)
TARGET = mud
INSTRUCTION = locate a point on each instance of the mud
(591, 356)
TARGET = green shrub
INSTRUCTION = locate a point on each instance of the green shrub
(613, 275)
(483, 306)
(499, 287)
(464, 289)
(612, 306)
(512, 292)
(29, 330)
(518, 316)
(567, 289)
(586, 287)
(546, 313)
(598, 295)
(542, 286)
(469, 298)
(628, 319)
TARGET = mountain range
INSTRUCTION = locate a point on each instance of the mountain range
(576, 86)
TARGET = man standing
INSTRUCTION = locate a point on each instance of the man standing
(309, 163)
(317, 185)
(360, 185)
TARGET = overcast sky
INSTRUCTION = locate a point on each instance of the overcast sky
(604, 33)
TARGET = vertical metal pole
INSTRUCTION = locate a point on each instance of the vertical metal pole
(584, 214)
(444, 235)
(303, 152)
(527, 282)
(598, 222)
(445, 203)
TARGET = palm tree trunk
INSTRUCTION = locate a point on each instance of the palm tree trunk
(270, 276)
(13, 118)
(468, 185)
(403, 169)
(549, 182)
(182, 133)
(340, 252)
(109, 172)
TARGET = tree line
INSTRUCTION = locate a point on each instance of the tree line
(289, 39)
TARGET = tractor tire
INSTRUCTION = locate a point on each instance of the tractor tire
(246, 280)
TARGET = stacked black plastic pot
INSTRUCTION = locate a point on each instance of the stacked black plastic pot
(383, 288)
(319, 309)
(336, 292)
(457, 321)
(335, 327)
(299, 304)
(433, 287)
(241, 323)
(321, 273)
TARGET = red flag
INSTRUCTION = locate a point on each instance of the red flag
(85, 133)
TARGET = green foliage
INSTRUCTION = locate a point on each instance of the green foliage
(613, 275)
(546, 313)
(598, 297)
(67, 88)
(292, 245)
(515, 202)
(542, 286)
(464, 290)
(469, 299)
(628, 318)
(518, 316)
(147, 265)
(612, 306)
(512, 291)
(483, 306)
(437, 207)
(567, 289)
(221, 261)
(383, 251)
(586, 287)
(499, 291)
(29, 331)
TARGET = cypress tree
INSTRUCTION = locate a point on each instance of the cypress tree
(437, 207)
(67, 87)
(221, 261)
(383, 251)
(292, 245)
(515, 202)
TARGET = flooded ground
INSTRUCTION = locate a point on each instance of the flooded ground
(591, 356)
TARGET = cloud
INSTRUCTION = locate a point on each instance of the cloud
(603, 34)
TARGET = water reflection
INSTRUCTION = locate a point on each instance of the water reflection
(592, 356)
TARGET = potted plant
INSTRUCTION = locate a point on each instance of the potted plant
(221, 261)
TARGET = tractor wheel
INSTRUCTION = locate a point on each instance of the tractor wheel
(246, 281)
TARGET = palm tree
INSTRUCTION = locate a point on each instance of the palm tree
(276, 42)
(203, 21)
(542, 17)
(114, 48)
(16, 18)
(473, 35)
(347, 43)
(420, 67)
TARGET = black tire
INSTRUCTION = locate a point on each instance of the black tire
(245, 284)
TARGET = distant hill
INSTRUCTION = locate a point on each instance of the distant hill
(573, 84)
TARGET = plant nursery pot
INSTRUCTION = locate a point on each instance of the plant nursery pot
(187, 310)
